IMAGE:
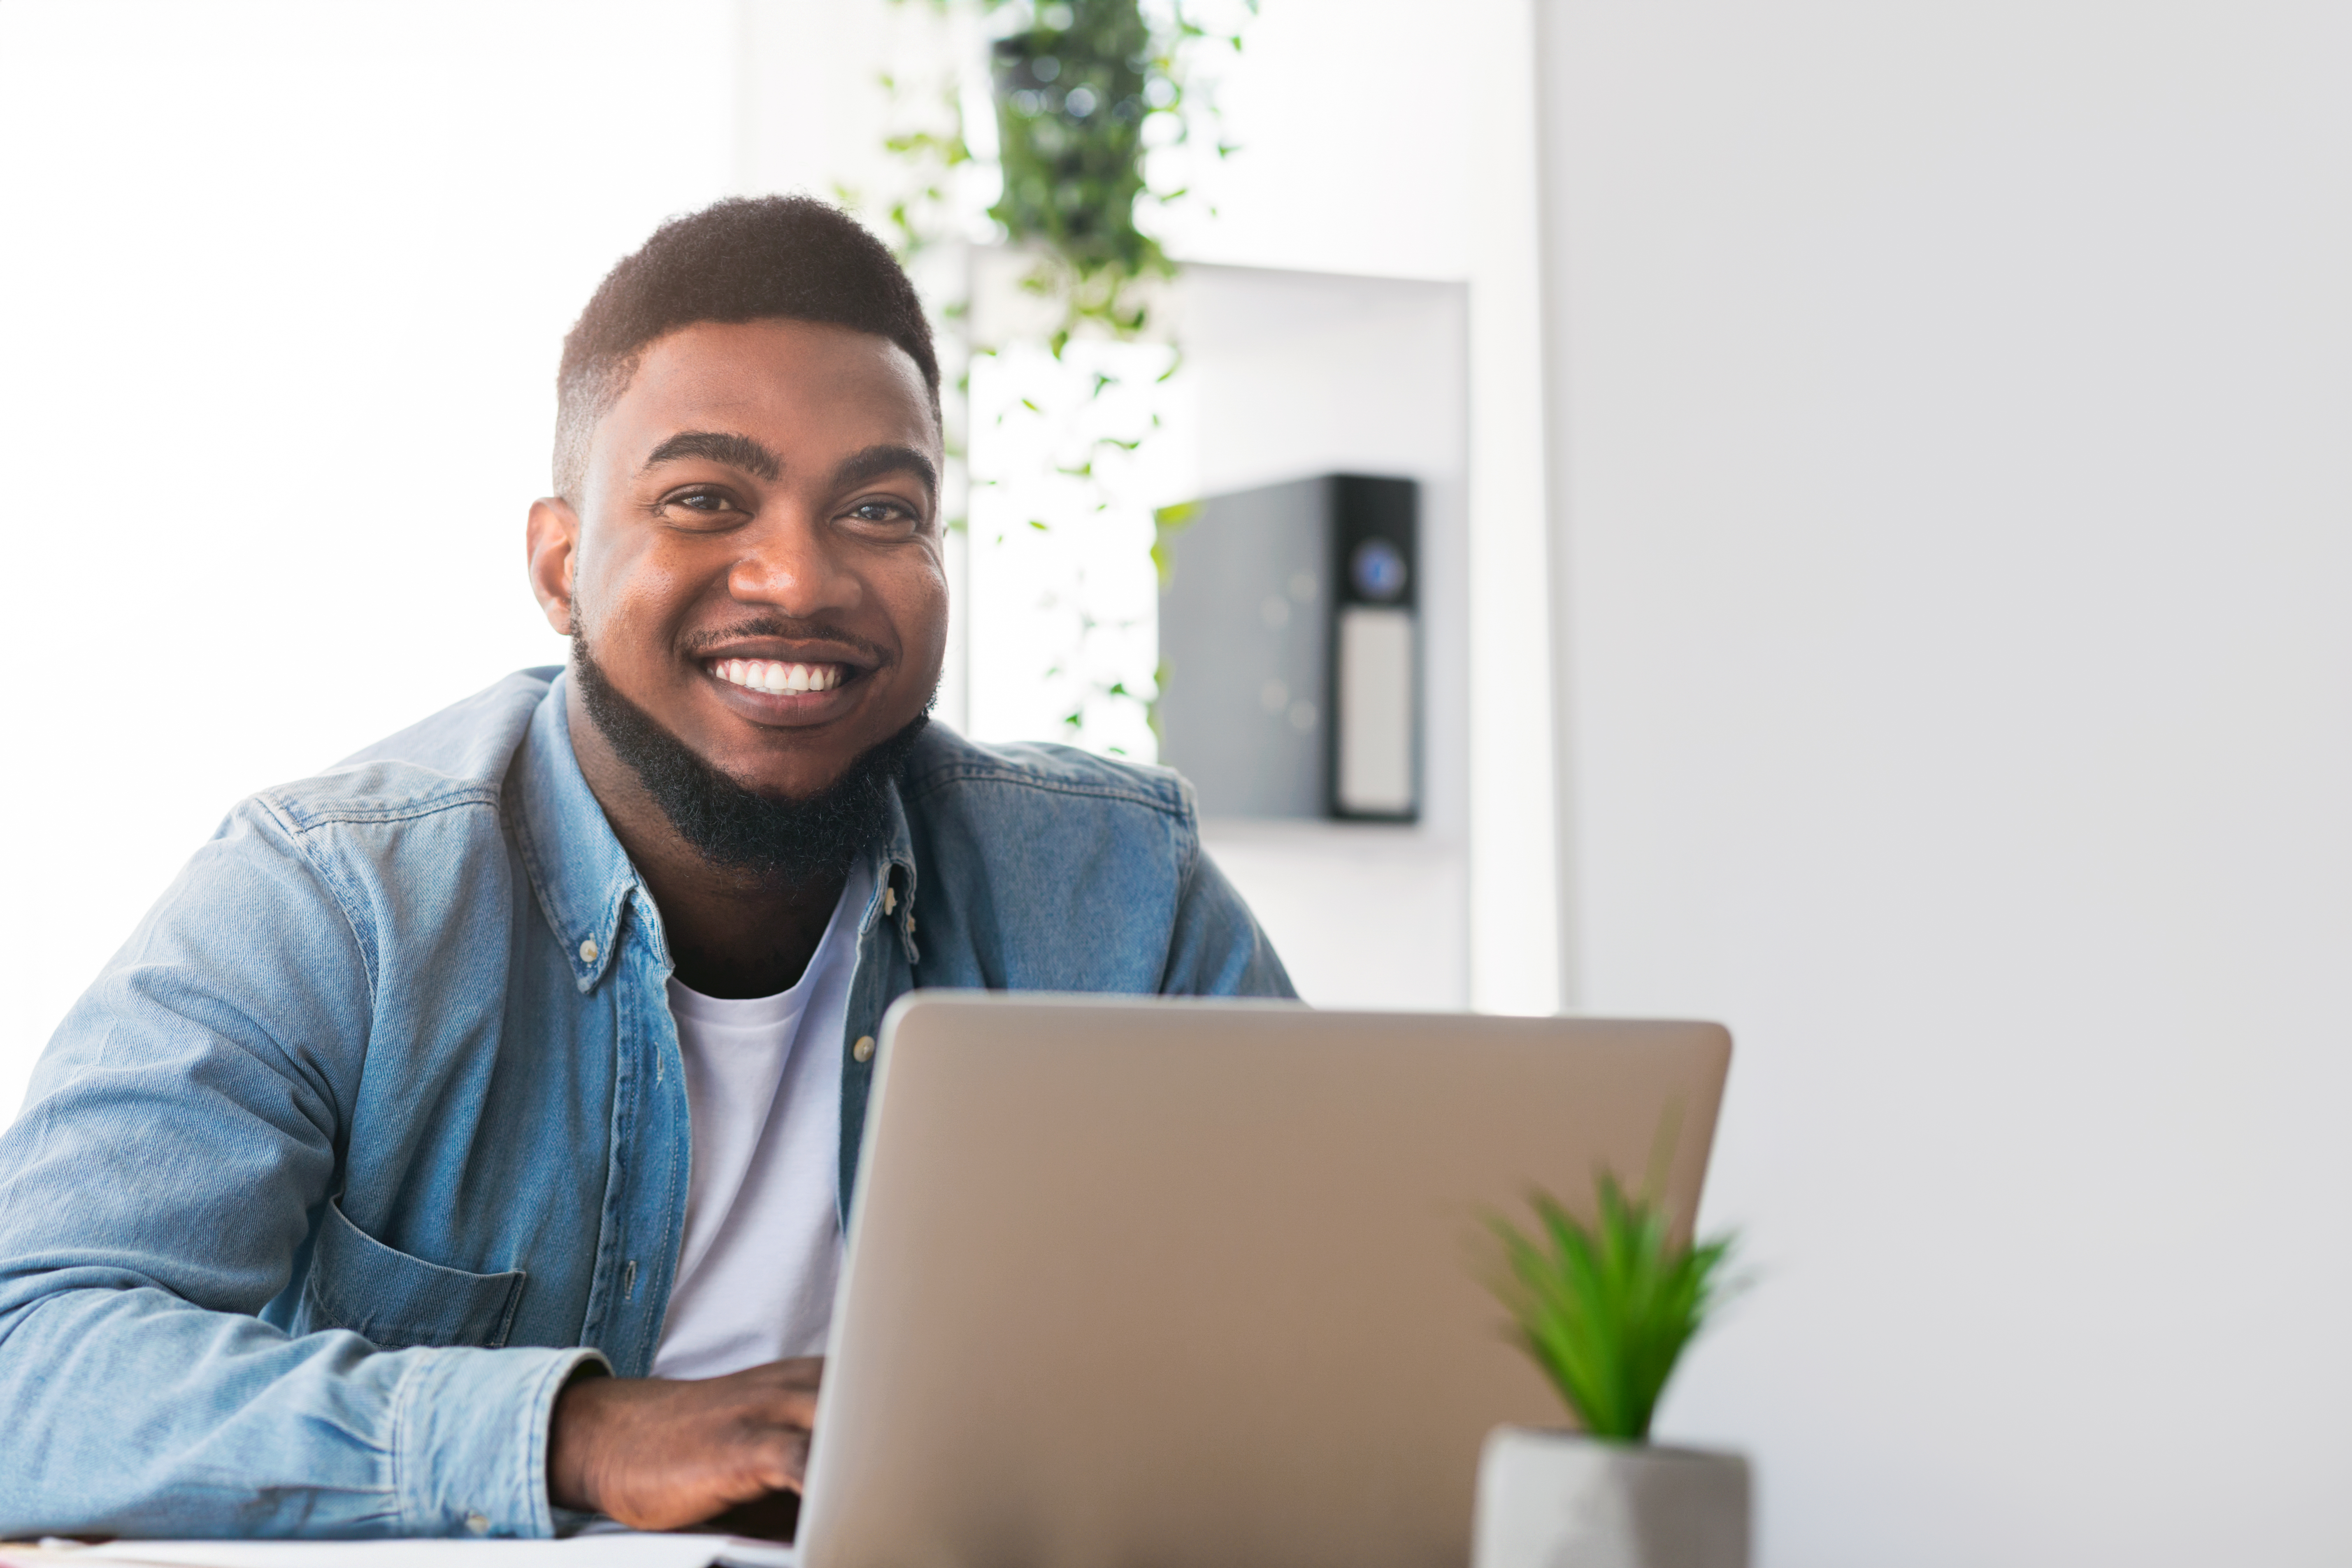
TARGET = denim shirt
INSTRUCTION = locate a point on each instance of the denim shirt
(376, 1129)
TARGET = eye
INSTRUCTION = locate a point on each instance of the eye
(702, 504)
(882, 512)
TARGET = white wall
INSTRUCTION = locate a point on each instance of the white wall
(282, 297)
(1950, 421)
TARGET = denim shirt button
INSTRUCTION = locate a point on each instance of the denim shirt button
(864, 1049)
(478, 1524)
(588, 950)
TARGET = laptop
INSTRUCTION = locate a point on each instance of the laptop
(1189, 1283)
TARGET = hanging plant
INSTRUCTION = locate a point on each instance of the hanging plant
(1073, 90)
(1085, 92)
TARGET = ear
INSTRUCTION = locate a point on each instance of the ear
(552, 540)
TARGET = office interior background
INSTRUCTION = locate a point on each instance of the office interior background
(1890, 538)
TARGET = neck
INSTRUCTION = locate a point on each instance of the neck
(731, 932)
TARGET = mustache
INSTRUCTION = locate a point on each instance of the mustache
(789, 628)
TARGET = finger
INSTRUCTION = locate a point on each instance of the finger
(790, 1408)
(784, 1462)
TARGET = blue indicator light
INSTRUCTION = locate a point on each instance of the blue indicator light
(1376, 569)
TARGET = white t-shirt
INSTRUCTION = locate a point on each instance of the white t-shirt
(763, 1247)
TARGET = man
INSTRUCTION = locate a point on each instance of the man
(465, 1137)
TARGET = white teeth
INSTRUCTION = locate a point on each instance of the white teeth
(774, 675)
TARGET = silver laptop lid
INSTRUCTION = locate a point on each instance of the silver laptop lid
(1194, 1282)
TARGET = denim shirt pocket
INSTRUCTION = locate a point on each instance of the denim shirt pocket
(392, 1299)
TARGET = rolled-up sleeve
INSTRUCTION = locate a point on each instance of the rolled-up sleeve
(157, 1192)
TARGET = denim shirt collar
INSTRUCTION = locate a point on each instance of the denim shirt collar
(578, 868)
(894, 875)
(585, 879)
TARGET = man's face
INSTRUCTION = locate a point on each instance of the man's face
(755, 556)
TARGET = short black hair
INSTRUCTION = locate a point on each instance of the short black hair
(740, 259)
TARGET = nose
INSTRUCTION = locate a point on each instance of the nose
(791, 562)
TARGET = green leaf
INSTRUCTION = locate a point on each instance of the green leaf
(1605, 1309)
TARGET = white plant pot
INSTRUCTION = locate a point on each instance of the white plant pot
(1561, 1500)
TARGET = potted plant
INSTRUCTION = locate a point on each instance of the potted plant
(1605, 1310)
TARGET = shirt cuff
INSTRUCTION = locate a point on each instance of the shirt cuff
(469, 1439)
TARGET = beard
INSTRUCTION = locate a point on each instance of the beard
(799, 842)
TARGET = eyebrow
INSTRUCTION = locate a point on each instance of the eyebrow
(720, 447)
(889, 458)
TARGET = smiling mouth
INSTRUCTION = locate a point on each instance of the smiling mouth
(774, 677)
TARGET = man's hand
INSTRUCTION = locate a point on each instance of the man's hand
(658, 1453)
